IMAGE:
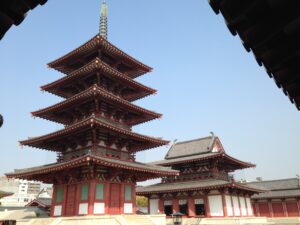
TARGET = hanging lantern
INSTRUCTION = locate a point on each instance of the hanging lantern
(1, 120)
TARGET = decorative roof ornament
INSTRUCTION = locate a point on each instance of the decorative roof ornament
(103, 20)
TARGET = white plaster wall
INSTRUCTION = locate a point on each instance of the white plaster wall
(243, 206)
(153, 206)
(57, 210)
(228, 205)
(128, 208)
(83, 208)
(215, 205)
(249, 207)
(236, 207)
(99, 208)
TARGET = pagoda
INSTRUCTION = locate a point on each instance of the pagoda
(96, 171)
(205, 186)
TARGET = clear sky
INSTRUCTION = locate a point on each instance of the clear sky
(206, 81)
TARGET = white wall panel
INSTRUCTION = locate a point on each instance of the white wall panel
(236, 206)
(83, 208)
(57, 210)
(229, 205)
(99, 208)
(153, 206)
(243, 206)
(249, 207)
(128, 208)
(215, 205)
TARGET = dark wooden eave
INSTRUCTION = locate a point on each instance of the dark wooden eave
(59, 87)
(55, 141)
(99, 43)
(36, 173)
(271, 30)
(222, 157)
(94, 92)
(13, 12)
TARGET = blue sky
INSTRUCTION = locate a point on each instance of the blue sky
(206, 81)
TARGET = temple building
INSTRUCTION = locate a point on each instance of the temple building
(205, 186)
(282, 199)
(96, 171)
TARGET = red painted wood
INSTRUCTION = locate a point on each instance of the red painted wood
(161, 206)
(270, 209)
(264, 209)
(91, 197)
(114, 207)
(133, 199)
(292, 209)
(107, 197)
(122, 198)
(191, 207)
(175, 203)
(53, 203)
(224, 204)
(206, 205)
(277, 209)
(64, 199)
(255, 213)
(70, 202)
(77, 198)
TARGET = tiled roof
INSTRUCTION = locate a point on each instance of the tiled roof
(192, 147)
(109, 162)
(191, 185)
(277, 188)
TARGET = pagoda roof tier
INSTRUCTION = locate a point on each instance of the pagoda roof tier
(83, 130)
(59, 112)
(210, 184)
(223, 158)
(63, 86)
(63, 64)
(40, 172)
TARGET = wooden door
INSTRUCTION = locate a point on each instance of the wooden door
(114, 207)
(70, 201)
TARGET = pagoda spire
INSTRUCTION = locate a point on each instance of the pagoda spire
(103, 20)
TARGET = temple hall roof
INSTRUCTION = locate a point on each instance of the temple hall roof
(199, 150)
(192, 186)
(92, 158)
(277, 188)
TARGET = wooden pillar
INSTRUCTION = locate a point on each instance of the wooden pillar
(270, 208)
(298, 206)
(148, 204)
(133, 199)
(191, 207)
(122, 198)
(64, 199)
(257, 209)
(246, 205)
(206, 205)
(91, 197)
(175, 204)
(77, 198)
(224, 204)
(161, 206)
(53, 203)
(284, 207)
(107, 197)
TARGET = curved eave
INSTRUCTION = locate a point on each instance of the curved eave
(90, 122)
(91, 92)
(99, 41)
(87, 159)
(220, 155)
(212, 187)
(93, 66)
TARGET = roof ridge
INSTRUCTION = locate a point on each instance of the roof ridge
(264, 181)
(197, 139)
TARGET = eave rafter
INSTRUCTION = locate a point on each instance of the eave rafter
(101, 43)
(90, 160)
(51, 113)
(97, 66)
(54, 140)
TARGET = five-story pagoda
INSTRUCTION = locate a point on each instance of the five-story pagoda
(96, 171)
